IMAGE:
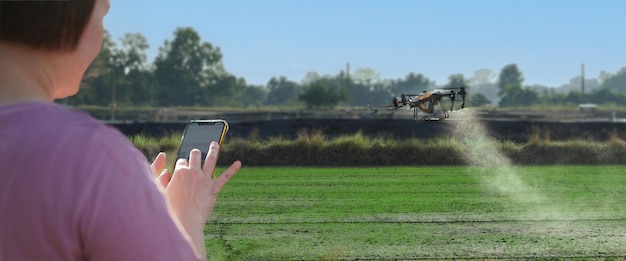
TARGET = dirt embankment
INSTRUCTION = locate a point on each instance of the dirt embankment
(518, 131)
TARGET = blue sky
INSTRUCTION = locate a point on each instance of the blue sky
(260, 39)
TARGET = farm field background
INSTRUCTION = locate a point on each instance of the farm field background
(409, 213)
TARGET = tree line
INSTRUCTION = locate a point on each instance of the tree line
(189, 72)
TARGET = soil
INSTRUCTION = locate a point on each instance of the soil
(511, 130)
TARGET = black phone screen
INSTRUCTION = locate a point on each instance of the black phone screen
(199, 135)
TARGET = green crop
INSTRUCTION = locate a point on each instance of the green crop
(421, 213)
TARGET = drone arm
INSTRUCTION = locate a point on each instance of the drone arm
(452, 98)
(463, 94)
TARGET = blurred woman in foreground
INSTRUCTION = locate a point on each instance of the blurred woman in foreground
(73, 188)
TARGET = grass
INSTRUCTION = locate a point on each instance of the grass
(539, 212)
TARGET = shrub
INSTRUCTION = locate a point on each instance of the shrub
(315, 149)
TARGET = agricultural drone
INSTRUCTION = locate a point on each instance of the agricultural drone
(427, 100)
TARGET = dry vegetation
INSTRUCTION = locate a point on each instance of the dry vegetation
(315, 149)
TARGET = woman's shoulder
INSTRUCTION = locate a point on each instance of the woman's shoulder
(66, 141)
(39, 113)
(49, 125)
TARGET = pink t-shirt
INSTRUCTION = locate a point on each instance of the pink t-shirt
(72, 188)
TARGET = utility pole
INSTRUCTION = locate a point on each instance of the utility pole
(582, 73)
(348, 84)
(113, 104)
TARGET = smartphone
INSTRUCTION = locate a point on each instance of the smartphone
(199, 134)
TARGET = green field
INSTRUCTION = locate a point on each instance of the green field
(410, 213)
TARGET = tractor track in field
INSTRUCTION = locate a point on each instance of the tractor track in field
(230, 222)
(486, 258)
(506, 239)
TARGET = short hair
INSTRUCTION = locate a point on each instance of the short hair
(53, 25)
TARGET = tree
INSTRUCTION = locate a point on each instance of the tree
(514, 95)
(319, 96)
(509, 76)
(481, 77)
(365, 76)
(253, 96)
(413, 83)
(575, 97)
(133, 50)
(186, 68)
(575, 85)
(337, 84)
(225, 91)
(483, 82)
(607, 96)
(310, 77)
(132, 82)
(478, 99)
(282, 91)
(456, 80)
(141, 85)
(616, 81)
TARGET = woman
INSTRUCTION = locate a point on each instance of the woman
(73, 188)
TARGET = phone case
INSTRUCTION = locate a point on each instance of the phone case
(198, 134)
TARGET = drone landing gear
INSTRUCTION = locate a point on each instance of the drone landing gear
(444, 110)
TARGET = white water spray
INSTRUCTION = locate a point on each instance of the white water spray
(496, 171)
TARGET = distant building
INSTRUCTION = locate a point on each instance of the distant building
(587, 107)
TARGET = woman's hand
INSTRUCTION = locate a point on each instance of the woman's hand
(192, 191)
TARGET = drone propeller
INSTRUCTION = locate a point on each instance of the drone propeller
(400, 102)
(396, 102)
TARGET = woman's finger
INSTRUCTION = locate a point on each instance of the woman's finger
(195, 158)
(211, 159)
(181, 163)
